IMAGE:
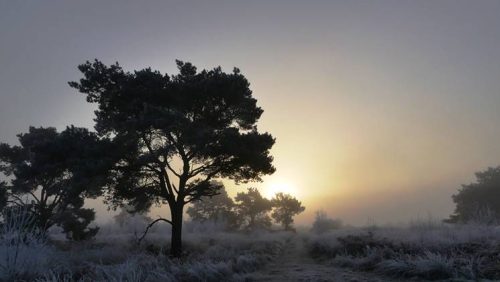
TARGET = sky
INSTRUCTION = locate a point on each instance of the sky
(380, 109)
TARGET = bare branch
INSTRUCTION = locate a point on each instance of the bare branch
(139, 240)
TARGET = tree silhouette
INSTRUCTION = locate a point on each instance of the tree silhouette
(75, 222)
(479, 201)
(322, 223)
(217, 209)
(175, 134)
(3, 195)
(252, 208)
(52, 174)
(285, 208)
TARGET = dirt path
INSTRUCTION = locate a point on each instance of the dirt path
(296, 265)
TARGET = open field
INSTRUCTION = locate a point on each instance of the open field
(420, 252)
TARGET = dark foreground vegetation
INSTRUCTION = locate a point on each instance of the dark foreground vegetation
(114, 255)
(424, 251)
(464, 246)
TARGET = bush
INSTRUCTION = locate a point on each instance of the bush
(323, 224)
(430, 252)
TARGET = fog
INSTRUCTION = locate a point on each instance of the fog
(380, 111)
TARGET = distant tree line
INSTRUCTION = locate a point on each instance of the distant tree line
(248, 211)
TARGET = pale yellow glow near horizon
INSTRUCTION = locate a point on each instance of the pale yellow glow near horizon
(279, 185)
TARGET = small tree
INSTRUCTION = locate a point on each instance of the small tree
(175, 134)
(253, 209)
(285, 208)
(479, 201)
(218, 209)
(322, 223)
(52, 174)
(75, 223)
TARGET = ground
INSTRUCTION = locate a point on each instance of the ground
(295, 264)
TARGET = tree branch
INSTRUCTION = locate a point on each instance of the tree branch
(200, 169)
(219, 162)
(148, 145)
(151, 225)
(192, 191)
(17, 198)
(35, 197)
(165, 182)
(55, 202)
(151, 168)
(16, 203)
(171, 169)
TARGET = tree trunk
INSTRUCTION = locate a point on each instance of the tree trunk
(252, 222)
(176, 240)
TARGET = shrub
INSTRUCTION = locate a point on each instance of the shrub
(323, 224)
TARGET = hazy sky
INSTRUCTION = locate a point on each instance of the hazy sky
(381, 109)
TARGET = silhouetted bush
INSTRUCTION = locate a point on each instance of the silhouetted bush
(322, 223)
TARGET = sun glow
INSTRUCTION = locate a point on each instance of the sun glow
(278, 186)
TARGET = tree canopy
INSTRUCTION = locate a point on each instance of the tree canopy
(252, 208)
(285, 208)
(479, 201)
(175, 134)
(216, 209)
(52, 173)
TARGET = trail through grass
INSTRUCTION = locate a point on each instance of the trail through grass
(295, 264)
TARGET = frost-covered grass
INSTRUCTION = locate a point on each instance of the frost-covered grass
(114, 255)
(422, 250)
(23, 250)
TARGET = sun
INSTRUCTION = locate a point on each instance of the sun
(278, 186)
